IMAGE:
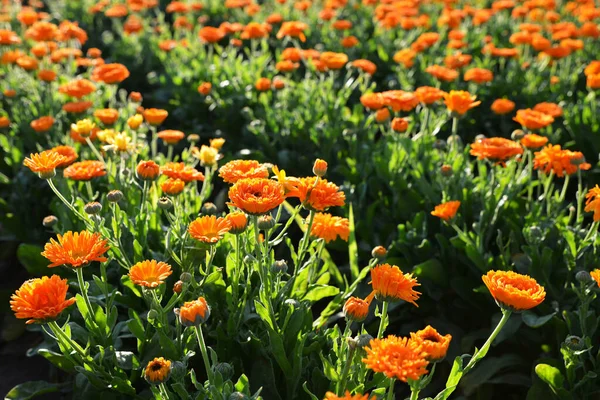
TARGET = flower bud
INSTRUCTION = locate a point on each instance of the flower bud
(208, 208)
(517, 134)
(379, 252)
(178, 370)
(320, 168)
(135, 121)
(382, 115)
(399, 125)
(165, 203)
(439, 144)
(364, 340)
(574, 343)
(356, 309)
(114, 196)
(47, 174)
(248, 259)
(583, 277)
(279, 266)
(238, 222)
(292, 302)
(446, 170)
(456, 140)
(92, 208)
(158, 371)
(49, 221)
(266, 222)
(480, 137)
(352, 343)
(193, 313)
(178, 287)
(193, 138)
(185, 277)
(147, 170)
(152, 315)
(225, 369)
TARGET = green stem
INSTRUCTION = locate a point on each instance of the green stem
(69, 205)
(580, 196)
(384, 311)
(204, 352)
(390, 394)
(341, 386)
(59, 333)
(484, 349)
(414, 394)
(304, 242)
(94, 150)
(88, 305)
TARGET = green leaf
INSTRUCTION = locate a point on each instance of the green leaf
(433, 270)
(57, 359)
(31, 258)
(29, 390)
(312, 396)
(533, 321)
(455, 374)
(127, 360)
(135, 325)
(352, 245)
(551, 375)
(262, 311)
(316, 293)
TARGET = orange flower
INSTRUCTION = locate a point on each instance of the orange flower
(110, 73)
(172, 186)
(75, 250)
(41, 300)
(85, 170)
(552, 109)
(47, 75)
(333, 60)
(533, 141)
(434, 344)
(209, 229)
(328, 227)
(44, 163)
(400, 100)
(457, 60)
(479, 75)
(356, 309)
(204, 88)
(8, 37)
(77, 88)
(4, 121)
(257, 196)
(460, 101)
(171, 136)
(255, 30)
(68, 152)
(495, 149)
(238, 221)
(553, 158)
(263, 84)
(429, 95)
(532, 119)
(366, 66)
(318, 194)
(147, 170)
(210, 34)
(447, 210)
(442, 73)
(42, 31)
(405, 57)
(186, 173)
(235, 170)
(349, 41)
(42, 124)
(390, 284)
(155, 116)
(399, 358)
(77, 107)
(592, 202)
(502, 106)
(293, 29)
(373, 101)
(399, 124)
(346, 396)
(158, 371)
(514, 291)
(107, 116)
(27, 63)
(150, 273)
(320, 167)
(596, 276)
(194, 313)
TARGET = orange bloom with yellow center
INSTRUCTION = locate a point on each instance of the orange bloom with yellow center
(532, 119)
(592, 202)
(318, 194)
(44, 163)
(400, 358)
(209, 229)
(75, 249)
(495, 149)
(460, 101)
(328, 227)
(257, 196)
(68, 152)
(346, 396)
(41, 300)
(107, 116)
(110, 73)
(357, 309)
(42, 124)
(596, 276)
(447, 210)
(514, 291)
(390, 284)
(158, 371)
(194, 313)
(147, 170)
(172, 186)
(186, 173)
(150, 273)
(155, 116)
(428, 94)
(85, 170)
(533, 141)
(434, 344)
(171, 136)
(561, 162)
(502, 106)
(238, 221)
(552, 109)
(235, 170)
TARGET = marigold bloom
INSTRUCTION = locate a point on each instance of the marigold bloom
(235, 170)
(194, 313)
(27, 63)
(533, 141)
(553, 158)
(171, 136)
(318, 194)
(366, 66)
(390, 284)
(147, 170)
(204, 88)
(41, 300)
(42, 124)
(434, 344)
(552, 109)
(85, 170)
(514, 291)
(42, 31)
(217, 143)
(209, 229)
(110, 73)
(44, 163)
(373, 101)
(333, 60)
(399, 124)
(399, 358)
(357, 309)
(135, 121)
(47, 75)
(592, 202)
(502, 106)
(210, 34)
(4, 121)
(238, 221)
(532, 119)
(107, 116)
(447, 210)
(158, 371)
(328, 227)
(75, 249)
(186, 173)
(262, 84)
(293, 29)
(155, 116)
(150, 273)
(68, 152)
(257, 196)
(346, 396)
(460, 101)
(207, 155)
(442, 73)
(429, 95)
(405, 57)
(479, 75)
(495, 149)
(172, 186)
(8, 37)
(596, 276)
(400, 100)
(77, 107)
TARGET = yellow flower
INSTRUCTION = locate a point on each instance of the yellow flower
(83, 127)
(135, 121)
(208, 156)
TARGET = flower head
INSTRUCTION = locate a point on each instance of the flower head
(257, 196)
(235, 170)
(75, 249)
(502, 106)
(459, 101)
(596, 276)
(357, 309)
(194, 313)
(238, 221)
(45, 163)
(147, 170)
(85, 170)
(328, 227)
(391, 284)
(434, 344)
(209, 229)
(533, 141)
(172, 186)
(68, 152)
(41, 300)
(400, 358)
(514, 291)
(42, 124)
(533, 120)
(346, 396)
(171, 136)
(560, 161)
(447, 210)
(155, 116)
(592, 202)
(158, 371)
(318, 194)
(495, 149)
(186, 173)
(150, 273)
(110, 73)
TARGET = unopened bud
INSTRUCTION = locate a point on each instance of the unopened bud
(178, 287)
(446, 170)
(583, 277)
(92, 208)
(574, 343)
(114, 196)
(279, 266)
(49, 221)
(320, 168)
(266, 222)
(364, 340)
(165, 203)
(185, 277)
(208, 208)
(193, 138)
(379, 252)
(225, 369)
(517, 134)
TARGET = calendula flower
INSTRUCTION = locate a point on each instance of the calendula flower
(110, 73)
(209, 229)
(495, 149)
(150, 273)
(533, 120)
(373, 101)
(399, 125)
(207, 155)
(391, 284)
(210, 34)
(395, 357)
(119, 142)
(68, 152)
(147, 170)
(429, 95)
(447, 210)
(552, 109)
(135, 121)
(75, 249)
(204, 88)
(44, 163)
(171, 136)
(83, 127)
(533, 141)
(107, 116)
(217, 143)
(289, 183)
(596, 276)
(155, 116)
(434, 344)
(172, 186)
(592, 202)
(346, 396)
(293, 29)
(460, 101)
(561, 162)
(399, 100)
(238, 221)
(235, 170)
(514, 291)
(328, 227)
(257, 196)
(41, 300)
(442, 73)
(158, 371)
(502, 106)
(186, 173)
(85, 170)
(318, 194)
(42, 124)
(357, 309)
(194, 313)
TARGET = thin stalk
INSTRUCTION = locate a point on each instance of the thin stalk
(94, 150)
(62, 198)
(304, 242)
(484, 349)
(204, 352)
(390, 394)
(82, 288)
(384, 311)
(580, 196)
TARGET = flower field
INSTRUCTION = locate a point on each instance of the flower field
(296, 199)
